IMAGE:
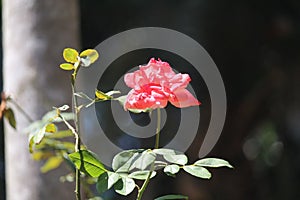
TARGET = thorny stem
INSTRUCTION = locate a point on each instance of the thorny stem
(157, 134)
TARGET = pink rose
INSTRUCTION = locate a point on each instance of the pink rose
(154, 84)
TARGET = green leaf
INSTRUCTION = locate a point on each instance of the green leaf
(143, 160)
(70, 55)
(55, 145)
(172, 156)
(88, 57)
(124, 186)
(123, 160)
(176, 159)
(141, 175)
(10, 116)
(52, 163)
(106, 181)
(37, 138)
(171, 169)
(102, 96)
(61, 134)
(67, 66)
(172, 196)
(38, 155)
(39, 134)
(42, 155)
(163, 151)
(69, 146)
(213, 162)
(159, 164)
(86, 162)
(51, 128)
(37, 129)
(197, 171)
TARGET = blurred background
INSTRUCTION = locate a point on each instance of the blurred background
(256, 46)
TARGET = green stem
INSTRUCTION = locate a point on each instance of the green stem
(76, 119)
(144, 186)
(157, 134)
(77, 135)
(77, 187)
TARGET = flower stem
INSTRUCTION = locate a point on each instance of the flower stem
(157, 134)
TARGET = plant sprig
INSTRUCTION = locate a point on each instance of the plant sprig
(127, 166)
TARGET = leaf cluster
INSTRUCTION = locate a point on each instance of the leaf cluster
(47, 142)
(137, 164)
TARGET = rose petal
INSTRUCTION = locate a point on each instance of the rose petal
(136, 79)
(142, 101)
(179, 81)
(183, 98)
(156, 71)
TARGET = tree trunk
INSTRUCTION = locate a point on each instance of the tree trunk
(35, 34)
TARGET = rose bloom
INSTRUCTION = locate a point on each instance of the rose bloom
(154, 84)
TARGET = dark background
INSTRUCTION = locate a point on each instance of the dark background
(255, 45)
